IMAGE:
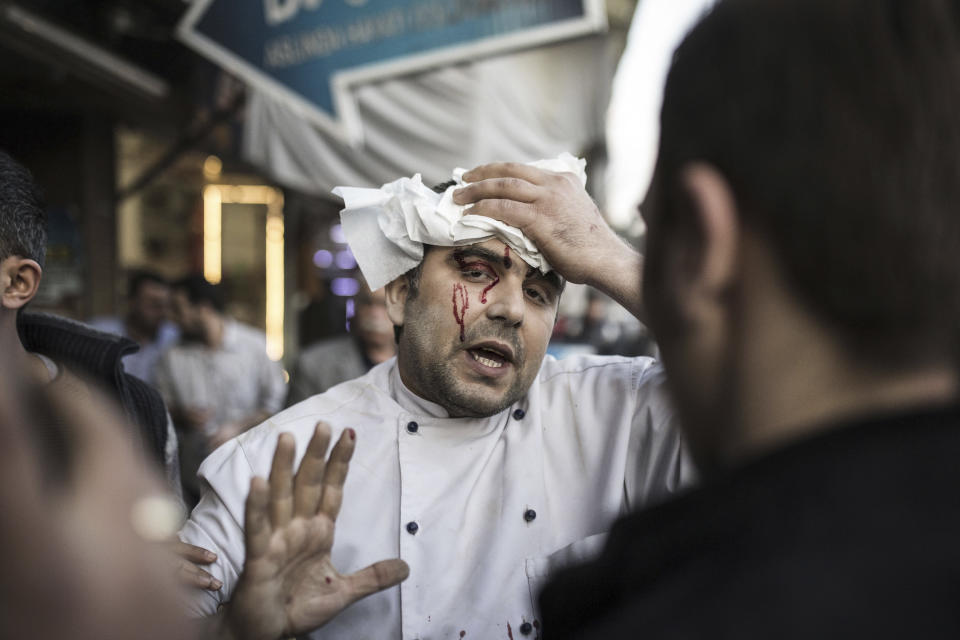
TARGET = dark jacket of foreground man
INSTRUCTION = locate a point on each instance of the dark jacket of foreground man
(98, 355)
(853, 533)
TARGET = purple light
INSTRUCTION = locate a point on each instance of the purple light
(344, 287)
(345, 260)
(351, 312)
(323, 259)
(336, 234)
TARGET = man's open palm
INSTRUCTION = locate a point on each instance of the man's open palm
(289, 586)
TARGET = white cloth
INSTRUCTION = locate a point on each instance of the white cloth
(386, 228)
(597, 438)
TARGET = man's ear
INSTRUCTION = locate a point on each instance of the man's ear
(19, 281)
(712, 269)
(396, 294)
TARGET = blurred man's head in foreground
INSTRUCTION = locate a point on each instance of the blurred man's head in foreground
(803, 216)
(83, 514)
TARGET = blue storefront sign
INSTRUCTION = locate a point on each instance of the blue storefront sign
(309, 52)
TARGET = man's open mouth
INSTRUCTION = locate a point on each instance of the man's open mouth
(488, 358)
(491, 354)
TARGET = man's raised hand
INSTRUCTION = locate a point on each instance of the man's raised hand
(289, 585)
(558, 215)
(552, 209)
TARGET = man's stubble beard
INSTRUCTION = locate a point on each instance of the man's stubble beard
(435, 379)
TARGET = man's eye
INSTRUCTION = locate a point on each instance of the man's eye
(476, 273)
(535, 294)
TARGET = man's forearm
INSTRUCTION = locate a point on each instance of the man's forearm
(620, 276)
(224, 626)
(215, 627)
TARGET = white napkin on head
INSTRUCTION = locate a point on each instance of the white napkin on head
(386, 228)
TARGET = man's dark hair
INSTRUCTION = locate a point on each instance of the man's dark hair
(140, 277)
(837, 125)
(199, 291)
(23, 219)
(443, 186)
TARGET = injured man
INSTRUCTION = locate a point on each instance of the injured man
(480, 462)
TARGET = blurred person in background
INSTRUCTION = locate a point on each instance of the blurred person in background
(218, 380)
(147, 323)
(343, 358)
(803, 283)
(596, 329)
(605, 334)
(49, 349)
(322, 316)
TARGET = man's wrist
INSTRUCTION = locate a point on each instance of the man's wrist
(224, 626)
(619, 263)
(217, 627)
(620, 276)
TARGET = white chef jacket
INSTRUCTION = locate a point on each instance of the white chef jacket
(498, 502)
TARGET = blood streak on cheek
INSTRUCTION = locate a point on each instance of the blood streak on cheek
(461, 300)
(483, 294)
(508, 263)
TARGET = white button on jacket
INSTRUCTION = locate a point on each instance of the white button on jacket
(595, 437)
